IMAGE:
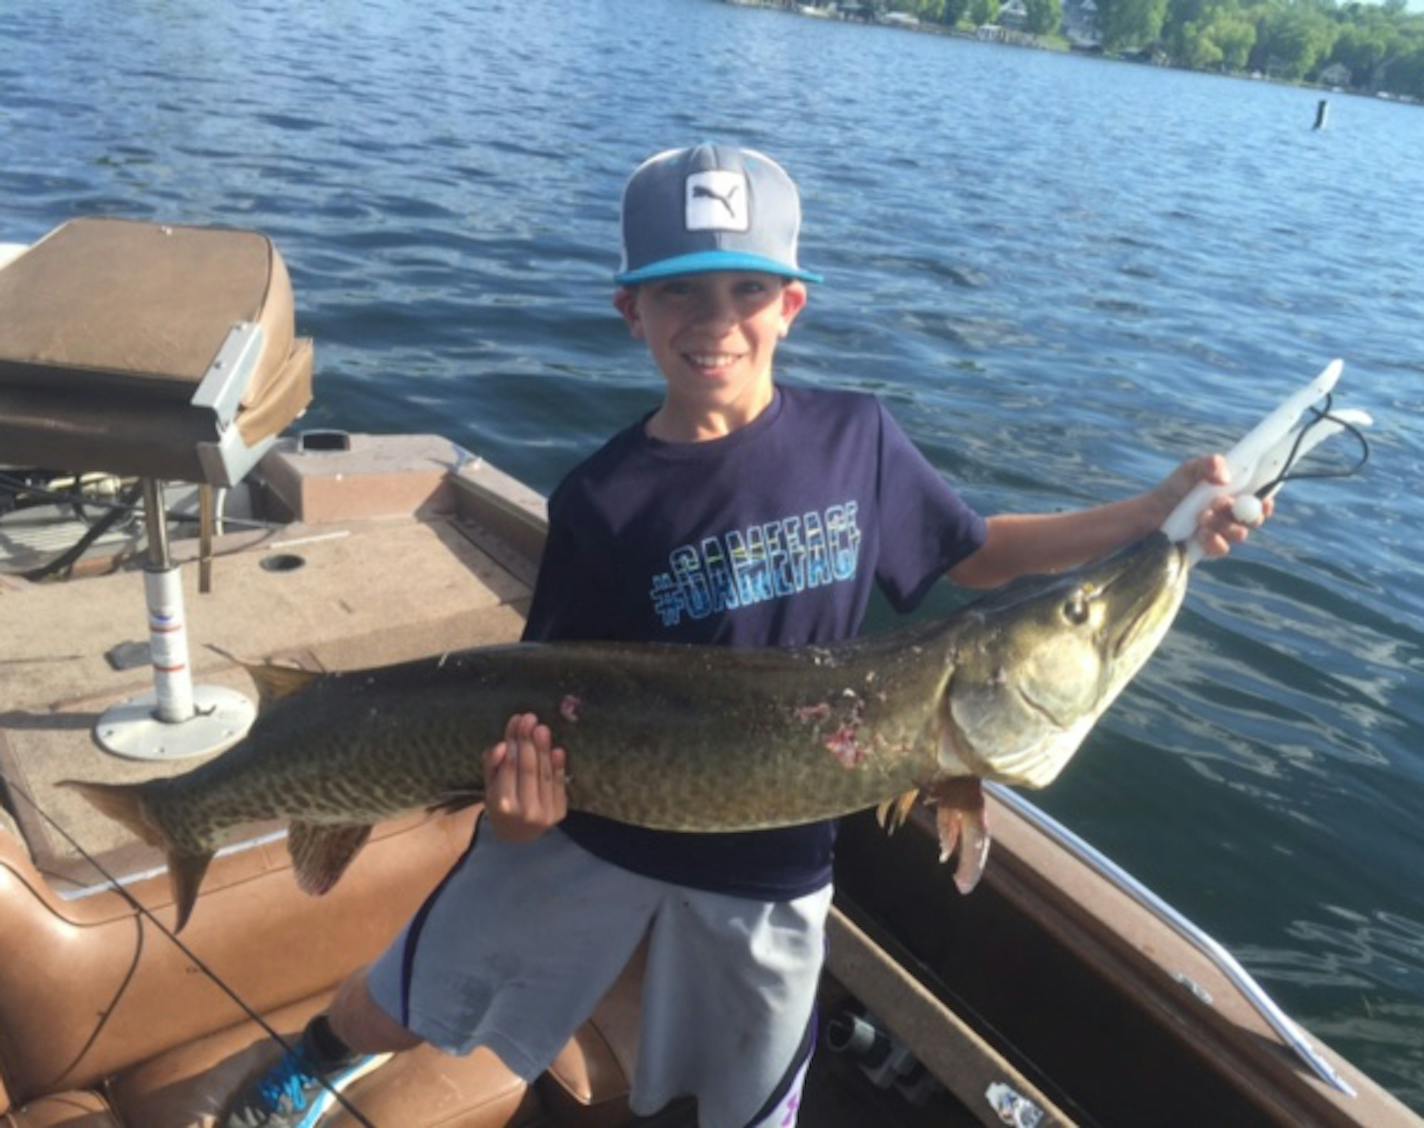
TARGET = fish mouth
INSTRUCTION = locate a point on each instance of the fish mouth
(1151, 609)
(1158, 590)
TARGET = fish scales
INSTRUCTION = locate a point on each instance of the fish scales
(716, 742)
(683, 738)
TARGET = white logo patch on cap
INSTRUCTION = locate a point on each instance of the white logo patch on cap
(717, 201)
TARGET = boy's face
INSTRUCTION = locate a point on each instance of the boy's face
(713, 335)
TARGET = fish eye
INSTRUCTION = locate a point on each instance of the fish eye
(1075, 610)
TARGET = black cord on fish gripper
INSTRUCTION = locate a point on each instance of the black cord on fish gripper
(1289, 474)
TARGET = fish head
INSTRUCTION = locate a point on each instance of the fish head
(1041, 659)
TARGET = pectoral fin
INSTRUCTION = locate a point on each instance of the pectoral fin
(185, 875)
(320, 854)
(963, 822)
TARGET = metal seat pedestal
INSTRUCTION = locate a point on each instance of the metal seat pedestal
(177, 720)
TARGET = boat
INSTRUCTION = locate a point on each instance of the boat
(161, 362)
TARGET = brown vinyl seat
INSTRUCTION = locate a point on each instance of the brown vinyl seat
(148, 350)
(104, 1022)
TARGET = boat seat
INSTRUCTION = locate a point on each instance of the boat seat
(103, 1022)
(148, 350)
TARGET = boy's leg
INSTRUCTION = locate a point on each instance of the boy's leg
(513, 951)
(783, 1107)
(356, 1019)
(333, 1052)
(728, 1000)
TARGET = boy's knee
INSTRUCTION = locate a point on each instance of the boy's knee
(359, 1021)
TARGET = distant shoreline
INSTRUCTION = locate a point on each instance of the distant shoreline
(1057, 44)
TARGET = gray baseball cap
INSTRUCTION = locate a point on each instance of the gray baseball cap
(712, 207)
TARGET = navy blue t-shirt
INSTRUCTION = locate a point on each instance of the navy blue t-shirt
(771, 536)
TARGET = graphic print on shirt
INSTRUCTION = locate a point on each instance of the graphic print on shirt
(743, 567)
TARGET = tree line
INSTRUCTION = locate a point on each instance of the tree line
(1366, 47)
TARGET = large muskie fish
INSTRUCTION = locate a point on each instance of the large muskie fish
(686, 738)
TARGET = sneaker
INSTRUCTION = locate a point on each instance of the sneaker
(291, 1094)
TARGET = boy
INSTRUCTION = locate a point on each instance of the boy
(738, 513)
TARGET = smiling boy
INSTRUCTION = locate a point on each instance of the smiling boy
(713, 337)
(740, 512)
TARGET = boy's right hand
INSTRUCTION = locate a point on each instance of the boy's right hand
(524, 781)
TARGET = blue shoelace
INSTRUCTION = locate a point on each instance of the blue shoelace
(289, 1079)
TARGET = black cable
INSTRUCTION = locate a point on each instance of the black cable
(1288, 472)
(93, 533)
(136, 510)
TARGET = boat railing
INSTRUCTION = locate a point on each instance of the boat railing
(1192, 933)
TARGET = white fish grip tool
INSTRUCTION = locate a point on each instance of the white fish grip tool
(1261, 462)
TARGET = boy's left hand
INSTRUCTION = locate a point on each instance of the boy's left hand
(1217, 528)
(525, 782)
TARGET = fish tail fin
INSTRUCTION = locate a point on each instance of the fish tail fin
(892, 813)
(320, 854)
(124, 803)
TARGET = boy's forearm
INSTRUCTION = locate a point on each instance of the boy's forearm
(1035, 543)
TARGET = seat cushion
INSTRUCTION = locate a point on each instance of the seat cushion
(113, 305)
(191, 1084)
(145, 438)
(271, 943)
(110, 328)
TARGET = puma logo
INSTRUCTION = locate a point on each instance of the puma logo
(717, 200)
(701, 191)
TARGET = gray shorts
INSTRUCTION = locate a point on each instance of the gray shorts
(516, 947)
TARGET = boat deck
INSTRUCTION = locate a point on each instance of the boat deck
(368, 592)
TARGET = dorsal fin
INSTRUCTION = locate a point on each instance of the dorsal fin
(273, 682)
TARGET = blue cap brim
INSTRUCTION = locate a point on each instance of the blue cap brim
(705, 262)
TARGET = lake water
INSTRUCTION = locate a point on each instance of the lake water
(1063, 275)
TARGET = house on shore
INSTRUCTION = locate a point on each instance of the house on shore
(1080, 24)
(1336, 74)
(1013, 15)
